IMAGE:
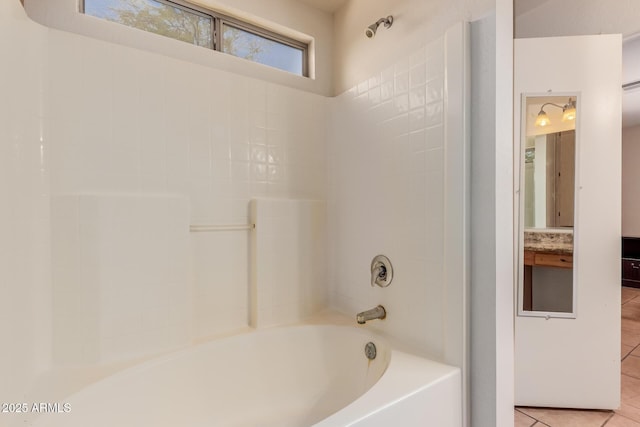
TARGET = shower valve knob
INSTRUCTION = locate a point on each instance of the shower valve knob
(381, 271)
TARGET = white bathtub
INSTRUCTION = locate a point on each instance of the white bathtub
(295, 376)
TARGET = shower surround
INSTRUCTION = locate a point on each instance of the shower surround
(388, 156)
(398, 186)
(160, 126)
(92, 122)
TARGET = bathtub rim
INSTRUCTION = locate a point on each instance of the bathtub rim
(402, 362)
(157, 361)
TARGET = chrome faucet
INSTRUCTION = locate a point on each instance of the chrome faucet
(375, 313)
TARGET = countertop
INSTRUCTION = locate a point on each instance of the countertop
(550, 240)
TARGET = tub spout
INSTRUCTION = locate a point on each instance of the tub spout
(375, 313)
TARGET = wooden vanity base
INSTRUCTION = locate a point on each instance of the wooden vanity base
(540, 259)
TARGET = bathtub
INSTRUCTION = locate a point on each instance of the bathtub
(297, 376)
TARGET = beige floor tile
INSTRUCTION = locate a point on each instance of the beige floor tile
(522, 420)
(620, 421)
(632, 401)
(631, 310)
(626, 350)
(630, 387)
(629, 411)
(629, 293)
(568, 417)
(631, 366)
(630, 338)
(631, 327)
(635, 300)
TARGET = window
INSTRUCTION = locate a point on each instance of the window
(205, 28)
(264, 48)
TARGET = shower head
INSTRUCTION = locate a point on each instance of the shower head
(370, 31)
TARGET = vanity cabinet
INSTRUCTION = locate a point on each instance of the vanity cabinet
(551, 247)
(631, 272)
(542, 259)
(631, 262)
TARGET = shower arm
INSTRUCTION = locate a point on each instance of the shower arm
(386, 21)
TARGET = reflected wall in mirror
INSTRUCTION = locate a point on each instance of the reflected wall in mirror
(548, 146)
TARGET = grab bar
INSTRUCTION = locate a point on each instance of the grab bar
(228, 227)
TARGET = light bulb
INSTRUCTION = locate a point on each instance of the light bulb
(568, 113)
(542, 120)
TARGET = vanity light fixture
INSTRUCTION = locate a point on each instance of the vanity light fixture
(568, 113)
(542, 120)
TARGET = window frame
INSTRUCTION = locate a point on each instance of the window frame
(219, 20)
(264, 33)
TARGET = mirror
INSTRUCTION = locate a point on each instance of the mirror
(547, 204)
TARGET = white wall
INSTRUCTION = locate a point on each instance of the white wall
(502, 152)
(484, 305)
(492, 280)
(492, 274)
(578, 17)
(415, 21)
(25, 309)
(630, 181)
(290, 17)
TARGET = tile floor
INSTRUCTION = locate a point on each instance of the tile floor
(629, 413)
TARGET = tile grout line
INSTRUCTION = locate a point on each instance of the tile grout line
(608, 419)
(626, 302)
(535, 420)
(629, 354)
(634, 348)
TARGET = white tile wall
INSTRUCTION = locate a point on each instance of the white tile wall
(131, 121)
(221, 282)
(288, 281)
(25, 293)
(128, 121)
(388, 168)
(120, 270)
